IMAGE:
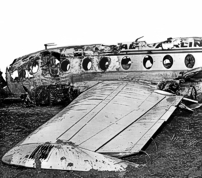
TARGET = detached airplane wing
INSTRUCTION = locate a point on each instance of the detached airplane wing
(112, 119)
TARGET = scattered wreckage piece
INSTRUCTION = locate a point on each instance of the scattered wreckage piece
(52, 94)
(49, 95)
(63, 156)
(196, 105)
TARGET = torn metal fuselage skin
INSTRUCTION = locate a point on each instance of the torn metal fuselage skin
(87, 65)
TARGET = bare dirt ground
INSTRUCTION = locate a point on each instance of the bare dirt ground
(175, 151)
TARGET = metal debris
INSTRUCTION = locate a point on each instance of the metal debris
(63, 156)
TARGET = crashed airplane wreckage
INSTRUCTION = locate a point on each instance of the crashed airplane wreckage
(128, 91)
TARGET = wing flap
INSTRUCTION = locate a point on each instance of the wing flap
(103, 132)
(143, 140)
(134, 138)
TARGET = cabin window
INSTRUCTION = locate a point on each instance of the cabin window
(104, 63)
(14, 75)
(126, 63)
(168, 61)
(65, 65)
(87, 64)
(54, 62)
(148, 62)
(34, 67)
(189, 61)
(28, 74)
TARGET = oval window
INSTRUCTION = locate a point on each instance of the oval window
(189, 61)
(65, 65)
(56, 62)
(104, 63)
(167, 61)
(148, 62)
(14, 75)
(33, 68)
(87, 64)
(53, 62)
(28, 74)
(126, 63)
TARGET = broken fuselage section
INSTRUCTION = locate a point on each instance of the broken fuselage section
(86, 65)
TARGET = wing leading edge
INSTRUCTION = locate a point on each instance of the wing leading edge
(115, 118)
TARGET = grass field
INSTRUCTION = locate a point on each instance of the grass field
(175, 151)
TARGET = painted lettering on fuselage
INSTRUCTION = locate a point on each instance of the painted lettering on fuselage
(170, 43)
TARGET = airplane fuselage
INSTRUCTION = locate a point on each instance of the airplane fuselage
(88, 64)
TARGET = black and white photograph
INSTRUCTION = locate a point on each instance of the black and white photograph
(100, 89)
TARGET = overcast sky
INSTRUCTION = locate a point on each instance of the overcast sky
(27, 25)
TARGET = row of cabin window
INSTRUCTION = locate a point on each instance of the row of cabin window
(17, 75)
(105, 62)
(168, 61)
(126, 63)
